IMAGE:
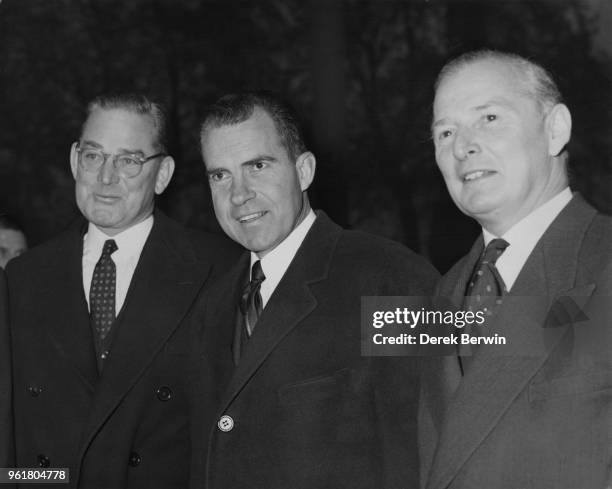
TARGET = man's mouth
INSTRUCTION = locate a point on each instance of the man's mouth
(106, 198)
(251, 217)
(476, 175)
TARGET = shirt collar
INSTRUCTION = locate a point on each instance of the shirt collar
(276, 262)
(525, 234)
(129, 242)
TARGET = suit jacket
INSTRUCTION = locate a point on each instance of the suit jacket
(308, 411)
(541, 415)
(6, 415)
(128, 426)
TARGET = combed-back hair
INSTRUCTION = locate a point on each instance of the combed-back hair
(538, 83)
(235, 108)
(138, 104)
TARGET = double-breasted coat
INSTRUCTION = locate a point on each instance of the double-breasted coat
(128, 426)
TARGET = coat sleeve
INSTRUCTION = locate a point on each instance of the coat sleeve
(6, 418)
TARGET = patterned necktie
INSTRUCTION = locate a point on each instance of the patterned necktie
(484, 293)
(486, 286)
(102, 291)
(251, 304)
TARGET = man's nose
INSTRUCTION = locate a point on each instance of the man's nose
(108, 174)
(241, 191)
(465, 144)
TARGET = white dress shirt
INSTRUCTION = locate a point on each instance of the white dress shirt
(129, 247)
(276, 262)
(524, 235)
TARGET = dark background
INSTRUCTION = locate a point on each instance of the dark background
(360, 73)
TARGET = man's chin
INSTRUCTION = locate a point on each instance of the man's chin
(104, 221)
(256, 247)
(480, 205)
(260, 247)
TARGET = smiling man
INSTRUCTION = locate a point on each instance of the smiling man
(538, 414)
(285, 399)
(97, 314)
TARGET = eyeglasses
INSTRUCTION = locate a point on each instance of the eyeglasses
(128, 164)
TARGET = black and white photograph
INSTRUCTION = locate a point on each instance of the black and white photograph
(306, 244)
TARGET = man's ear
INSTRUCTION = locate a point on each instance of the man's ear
(164, 174)
(559, 126)
(74, 160)
(306, 165)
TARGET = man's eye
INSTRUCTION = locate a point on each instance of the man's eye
(444, 134)
(127, 161)
(217, 176)
(490, 117)
(258, 165)
(92, 156)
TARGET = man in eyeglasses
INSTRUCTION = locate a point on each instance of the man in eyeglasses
(97, 314)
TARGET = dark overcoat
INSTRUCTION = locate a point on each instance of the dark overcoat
(128, 426)
(303, 408)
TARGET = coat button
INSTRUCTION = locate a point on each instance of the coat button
(226, 423)
(34, 391)
(43, 461)
(134, 459)
(164, 393)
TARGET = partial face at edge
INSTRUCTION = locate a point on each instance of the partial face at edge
(258, 193)
(12, 243)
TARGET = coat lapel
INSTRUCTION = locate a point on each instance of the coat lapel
(442, 373)
(545, 291)
(238, 282)
(291, 302)
(165, 284)
(64, 307)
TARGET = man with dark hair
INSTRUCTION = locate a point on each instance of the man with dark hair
(12, 239)
(537, 411)
(297, 405)
(98, 314)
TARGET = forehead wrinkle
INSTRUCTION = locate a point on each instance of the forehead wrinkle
(130, 151)
(120, 150)
(89, 142)
(495, 101)
(102, 122)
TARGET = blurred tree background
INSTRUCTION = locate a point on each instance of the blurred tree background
(359, 72)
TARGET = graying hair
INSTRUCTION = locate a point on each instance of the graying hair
(138, 104)
(538, 82)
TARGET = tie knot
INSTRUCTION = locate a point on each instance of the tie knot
(109, 247)
(257, 275)
(494, 250)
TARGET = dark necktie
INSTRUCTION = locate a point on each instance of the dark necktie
(251, 304)
(102, 291)
(484, 293)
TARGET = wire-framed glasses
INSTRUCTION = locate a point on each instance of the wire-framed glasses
(128, 164)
